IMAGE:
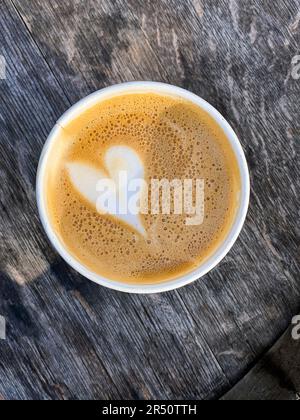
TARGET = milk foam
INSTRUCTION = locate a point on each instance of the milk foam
(118, 160)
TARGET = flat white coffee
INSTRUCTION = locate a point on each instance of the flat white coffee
(150, 137)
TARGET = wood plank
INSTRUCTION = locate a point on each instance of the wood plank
(68, 338)
(276, 377)
(49, 308)
(31, 102)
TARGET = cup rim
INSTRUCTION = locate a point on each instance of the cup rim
(224, 247)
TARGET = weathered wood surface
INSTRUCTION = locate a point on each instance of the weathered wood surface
(275, 377)
(68, 338)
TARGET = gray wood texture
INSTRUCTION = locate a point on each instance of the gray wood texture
(70, 339)
(275, 377)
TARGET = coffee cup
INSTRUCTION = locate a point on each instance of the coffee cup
(223, 248)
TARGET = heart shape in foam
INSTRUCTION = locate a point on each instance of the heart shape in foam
(117, 160)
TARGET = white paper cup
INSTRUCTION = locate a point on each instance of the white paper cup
(224, 247)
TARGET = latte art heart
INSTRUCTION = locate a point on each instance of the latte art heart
(108, 190)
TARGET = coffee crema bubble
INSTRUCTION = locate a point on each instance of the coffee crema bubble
(151, 136)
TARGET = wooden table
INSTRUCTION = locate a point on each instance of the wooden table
(70, 339)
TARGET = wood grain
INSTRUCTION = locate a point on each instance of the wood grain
(275, 377)
(68, 338)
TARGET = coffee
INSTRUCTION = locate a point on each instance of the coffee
(153, 137)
